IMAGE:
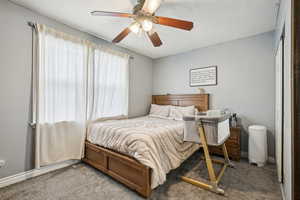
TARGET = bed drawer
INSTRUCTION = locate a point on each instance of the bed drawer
(121, 167)
(125, 170)
(97, 157)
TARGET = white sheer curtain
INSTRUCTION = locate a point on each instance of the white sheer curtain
(60, 83)
(62, 78)
(74, 81)
(109, 84)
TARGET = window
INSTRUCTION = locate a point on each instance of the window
(73, 81)
(110, 84)
(62, 80)
(78, 80)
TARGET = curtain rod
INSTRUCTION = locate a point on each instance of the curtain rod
(33, 25)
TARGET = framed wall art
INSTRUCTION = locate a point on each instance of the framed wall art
(204, 76)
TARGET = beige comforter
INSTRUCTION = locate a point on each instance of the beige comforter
(157, 143)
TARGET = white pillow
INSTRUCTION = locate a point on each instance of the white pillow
(177, 112)
(159, 111)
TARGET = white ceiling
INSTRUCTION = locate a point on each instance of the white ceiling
(215, 21)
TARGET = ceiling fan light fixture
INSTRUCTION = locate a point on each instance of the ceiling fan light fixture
(135, 27)
(147, 25)
(144, 19)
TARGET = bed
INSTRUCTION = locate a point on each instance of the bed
(130, 162)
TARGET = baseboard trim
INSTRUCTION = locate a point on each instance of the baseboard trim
(271, 160)
(35, 172)
(244, 154)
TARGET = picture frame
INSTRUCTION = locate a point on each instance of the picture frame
(204, 76)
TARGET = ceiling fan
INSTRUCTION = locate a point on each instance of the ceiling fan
(143, 19)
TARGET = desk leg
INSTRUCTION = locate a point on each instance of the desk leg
(227, 160)
(208, 160)
(213, 186)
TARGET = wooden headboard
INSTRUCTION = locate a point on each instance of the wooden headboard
(201, 101)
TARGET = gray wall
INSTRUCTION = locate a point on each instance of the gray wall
(284, 19)
(239, 62)
(16, 138)
(246, 79)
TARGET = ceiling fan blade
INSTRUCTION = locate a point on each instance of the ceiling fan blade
(121, 36)
(150, 6)
(176, 23)
(112, 14)
(154, 39)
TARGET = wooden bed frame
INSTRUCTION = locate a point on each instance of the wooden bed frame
(126, 169)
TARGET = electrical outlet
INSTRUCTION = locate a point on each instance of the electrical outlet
(2, 163)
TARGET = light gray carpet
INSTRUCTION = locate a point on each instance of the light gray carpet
(245, 182)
